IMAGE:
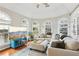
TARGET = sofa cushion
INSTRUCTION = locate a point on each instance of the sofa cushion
(39, 41)
(58, 44)
(72, 44)
(67, 38)
(40, 47)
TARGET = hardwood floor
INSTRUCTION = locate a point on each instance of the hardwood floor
(10, 51)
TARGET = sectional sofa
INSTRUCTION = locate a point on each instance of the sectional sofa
(71, 48)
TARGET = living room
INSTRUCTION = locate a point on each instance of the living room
(39, 29)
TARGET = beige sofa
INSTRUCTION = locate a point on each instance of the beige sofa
(61, 52)
(39, 45)
(71, 49)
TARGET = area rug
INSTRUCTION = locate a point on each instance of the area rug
(23, 52)
(36, 53)
(27, 52)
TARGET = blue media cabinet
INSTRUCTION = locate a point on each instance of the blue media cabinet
(17, 42)
(14, 43)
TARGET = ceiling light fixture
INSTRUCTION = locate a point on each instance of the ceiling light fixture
(45, 5)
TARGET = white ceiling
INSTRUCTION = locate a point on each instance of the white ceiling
(30, 10)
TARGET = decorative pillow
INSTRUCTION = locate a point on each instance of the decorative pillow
(57, 36)
(63, 36)
(71, 43)
(67, 38)
(58, 44)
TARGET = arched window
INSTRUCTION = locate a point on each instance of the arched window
(4, 16)
(63, 26)
(25, 23)
(48, 28)
(35, 27)
(24, 26)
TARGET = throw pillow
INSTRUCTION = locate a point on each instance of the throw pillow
(58, 44)
(63, 36)
(72, 44)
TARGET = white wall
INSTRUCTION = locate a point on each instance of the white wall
(15, 29)
(16, 20)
